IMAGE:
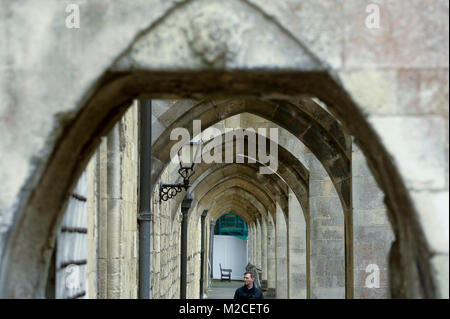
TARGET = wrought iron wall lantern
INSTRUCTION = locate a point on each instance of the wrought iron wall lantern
(187, 156)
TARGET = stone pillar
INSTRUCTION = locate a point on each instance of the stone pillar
(92, 233)
(212, 225)
(281, 255)
(115, 182)
(114, 190)
(185, 206)
(254, 246)
(202, 252)
(155, 255)
(297, 249)
(271, 257)
(372, 232)
(263, 250)
(250, 244)
(327, 237)
(102, 220)
(258, 261)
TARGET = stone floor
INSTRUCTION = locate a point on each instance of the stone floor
(223, 289)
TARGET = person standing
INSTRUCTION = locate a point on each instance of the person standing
(248, 291)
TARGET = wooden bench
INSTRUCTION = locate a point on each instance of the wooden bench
(225, 273)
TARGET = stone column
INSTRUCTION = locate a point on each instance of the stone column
(271, 258)
(281, 255)
(185, 206)
(263, 250)
(114, 191)
(372, 232)
(254, 246)
(258, 244)
(250, 244)
(202, 252)
(102, 220)
(212, 225)
(297, 249)
(92, 233)
(327, 238)
(155, 252)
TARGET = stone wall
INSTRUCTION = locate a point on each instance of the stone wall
(193, 259)
(165, 242)
(327, 235)
(112, 202)
(115, 276)
(297, 254)
(281, 255)
(372, 233)
(388, 87)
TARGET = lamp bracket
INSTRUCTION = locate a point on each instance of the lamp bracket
(168, 191)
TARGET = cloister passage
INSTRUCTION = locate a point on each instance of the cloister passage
(298, 213)
(317, 221)
(346, 195)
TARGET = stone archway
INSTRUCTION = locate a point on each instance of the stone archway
(333, 156)
(48, 174)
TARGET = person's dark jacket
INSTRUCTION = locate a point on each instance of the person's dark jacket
(245, 293)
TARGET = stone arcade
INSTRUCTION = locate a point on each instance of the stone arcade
(362, 119)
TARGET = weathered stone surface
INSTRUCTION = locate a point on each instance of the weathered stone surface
(366, 194)
(282, 275)
(435, 221)
(423, 91)
(404, 38)
(214, 34)
(411, 138)
(325, 37)
(327, 251)
(327, 273)
(396, 75)
(372, 234)
(296, 250)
